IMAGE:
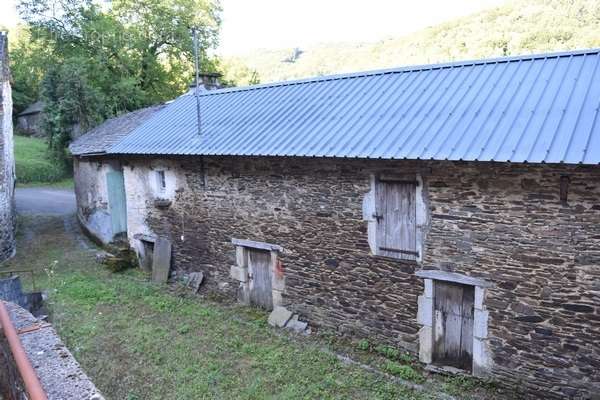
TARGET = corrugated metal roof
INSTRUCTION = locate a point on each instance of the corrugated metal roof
(536, 108)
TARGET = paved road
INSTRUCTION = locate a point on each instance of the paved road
(45, 201)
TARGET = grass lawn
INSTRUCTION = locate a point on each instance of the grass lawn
(137, 340)
(34, 167)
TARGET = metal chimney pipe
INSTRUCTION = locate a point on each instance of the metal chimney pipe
(197, 68)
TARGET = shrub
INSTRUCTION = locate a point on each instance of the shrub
(404, 371)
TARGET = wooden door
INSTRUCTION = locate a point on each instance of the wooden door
(260, 275)
(115, 183)
(453, 328)
(396, 219)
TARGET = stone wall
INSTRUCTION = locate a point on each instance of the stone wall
(7, 163)
(503, 223)
(92, 196)
(59, 373)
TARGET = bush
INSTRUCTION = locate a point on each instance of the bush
(405, 372)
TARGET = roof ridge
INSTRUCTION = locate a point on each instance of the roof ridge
(407, 68)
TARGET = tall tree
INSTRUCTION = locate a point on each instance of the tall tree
(125, 55)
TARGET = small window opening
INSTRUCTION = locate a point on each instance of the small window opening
(161, 181)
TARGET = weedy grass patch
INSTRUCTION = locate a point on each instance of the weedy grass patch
(33, 166)
(138, 340)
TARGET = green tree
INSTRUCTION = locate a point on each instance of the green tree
(71, 104)
(109, 60)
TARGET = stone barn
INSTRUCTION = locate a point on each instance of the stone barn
(29, 121)
(7, 161)
(452, 210)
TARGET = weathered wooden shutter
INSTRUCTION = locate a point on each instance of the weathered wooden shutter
(396, 219)
(116, 201)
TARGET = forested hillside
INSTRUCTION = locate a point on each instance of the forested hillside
(518, 27)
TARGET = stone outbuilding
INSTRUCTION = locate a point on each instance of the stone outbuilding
(29, 121)
(7, 161)
(452, 210)
(98, 180)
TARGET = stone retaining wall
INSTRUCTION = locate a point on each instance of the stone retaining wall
(60, 374)
(504, 223)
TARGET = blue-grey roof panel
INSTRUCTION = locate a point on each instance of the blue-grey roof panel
(536, 108)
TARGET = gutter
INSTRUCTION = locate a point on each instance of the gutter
(33, 387)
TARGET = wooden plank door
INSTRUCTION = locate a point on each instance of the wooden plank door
(396, 219)
(453, 328)
(117, 205)
(260, 274)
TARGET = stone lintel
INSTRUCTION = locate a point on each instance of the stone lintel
(256, 245)
(453, 277)
(145, 238)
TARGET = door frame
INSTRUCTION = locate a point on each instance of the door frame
(482, 359)
(239, 271)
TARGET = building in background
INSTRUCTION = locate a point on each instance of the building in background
(7, 161)
(29, 121)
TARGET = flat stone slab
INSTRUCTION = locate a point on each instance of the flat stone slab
(279, 317)
(295, 325)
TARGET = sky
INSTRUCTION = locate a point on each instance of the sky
(273, 24)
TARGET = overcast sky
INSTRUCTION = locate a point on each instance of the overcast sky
(257, 24)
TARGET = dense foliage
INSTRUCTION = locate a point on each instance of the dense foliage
(89, 62)
(517, 27)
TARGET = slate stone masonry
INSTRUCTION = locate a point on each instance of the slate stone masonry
(505, 223)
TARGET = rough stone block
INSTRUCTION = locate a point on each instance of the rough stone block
(479, 298)
(296, 325)
(278, 283)
(277, 298)
(239, 273)
(428, 288)
(279, 317)
(426, 344)
(194, 280)
(481, 357)
(480, 324)
(425, 311)
(240, 256)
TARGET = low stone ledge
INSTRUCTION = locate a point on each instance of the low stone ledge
(60, 374)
